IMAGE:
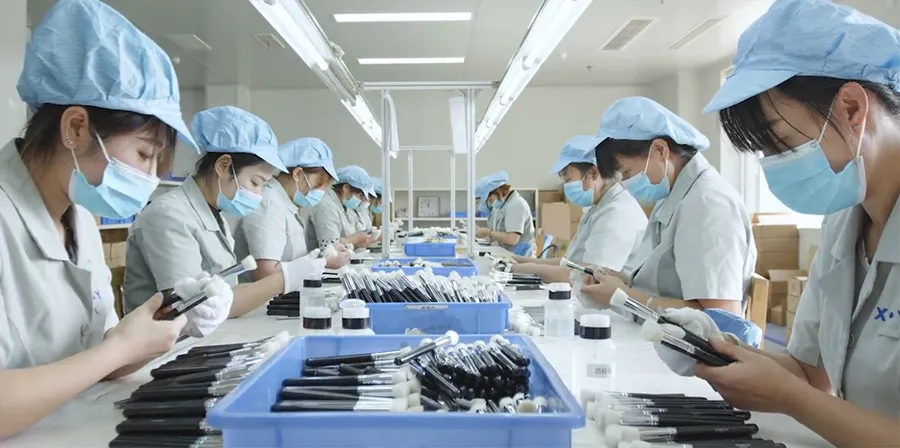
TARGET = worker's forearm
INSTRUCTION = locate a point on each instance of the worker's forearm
(250, 296)
(549, 274)
(128, 369)
(264, 268)
(31, 394)
(661, 303)
(508, 238)
(840, 422)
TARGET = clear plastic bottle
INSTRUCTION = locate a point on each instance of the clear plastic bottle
(355, 321)
(559, 312)
(595, 355)
(315, 315)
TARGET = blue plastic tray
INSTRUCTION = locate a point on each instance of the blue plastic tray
(417, 247)
(246, 421)
(438, 317)
(470, 270)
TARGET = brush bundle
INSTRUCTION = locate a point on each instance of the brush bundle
(422, 287)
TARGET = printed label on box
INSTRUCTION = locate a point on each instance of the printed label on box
(600, 370)
(427, 307)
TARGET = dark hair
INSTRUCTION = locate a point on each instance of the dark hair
(42, 130)
(749, 130)
(206, 166)
(502, 190)
(608, 149)
(583, 168)
(354, 190)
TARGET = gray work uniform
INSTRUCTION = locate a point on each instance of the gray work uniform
(609, 231)
(354, 217)
(698, 243)
(515, 217)
(848, 319)
(176, 236)
(327, 222)
(52, 307)
(274, 231)
(365, 220)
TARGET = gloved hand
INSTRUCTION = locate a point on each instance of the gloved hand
(308, 266)
(695, 321)
(336, 256)
(503, 264)
(204, 318)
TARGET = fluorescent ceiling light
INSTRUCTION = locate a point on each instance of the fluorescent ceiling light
(404, 17)
(409, 61)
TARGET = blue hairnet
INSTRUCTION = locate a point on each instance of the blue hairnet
(230, 129)
(578, 149)
(377, 185)
(308, 152)
(746, 331)
(639, 118)
(810, 38)
(86, 53)
(357, 178)
(490, 183)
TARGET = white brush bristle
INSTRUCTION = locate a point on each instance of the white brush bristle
(540, 401)
(215, 287)
(399, 377)
(651, 331)
(518, 397)
(638, 444)
(408, 372)
(416, 409)
(399, 405)
(496, 338)
(425, 341)
(610, 417)
(401, 390)
(505, 401)
(587, 396)
(414, 400)
(405, 350)
(589, 409)
(249, 263)
(613, 435)
(527, 407)
(618, 298)
(282, 337)
(415, 386)
(630, 433)
(563, 262)
(454, 337)
(478, 406)
(625, 445)
(673, 330)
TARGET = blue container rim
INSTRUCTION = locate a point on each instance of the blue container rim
(219, 416)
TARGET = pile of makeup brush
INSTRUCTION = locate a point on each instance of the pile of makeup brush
(423, 286)
(670, 421)
(440, 375)
(171, 409)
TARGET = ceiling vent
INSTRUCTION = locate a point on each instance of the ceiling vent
(270, 41)
(627, 33)
(694, 33)
(189, 42)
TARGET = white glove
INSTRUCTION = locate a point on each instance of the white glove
(306, 267)
(204, 318)
(503, 264)
(695, 321)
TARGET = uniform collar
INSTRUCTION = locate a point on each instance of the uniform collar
(888, 247)
(23, 193)
(281, 194)
(683, 183)
(512, 195)
(330, 194)
(198, 202)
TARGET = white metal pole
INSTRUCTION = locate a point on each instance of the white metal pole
(387, 192)
(452, 189)
(409, 190)
(470, 180)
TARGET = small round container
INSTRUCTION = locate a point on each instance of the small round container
(355, 320)
(315, 321)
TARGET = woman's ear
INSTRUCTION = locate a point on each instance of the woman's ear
(223, 166)
(660, 146)
(74, 128)
(297, 174)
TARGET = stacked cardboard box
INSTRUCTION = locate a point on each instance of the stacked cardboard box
(575, 214)
(796, 286)
(779, 280)
(114, 254)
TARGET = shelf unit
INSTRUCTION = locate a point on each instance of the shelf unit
(401, 203)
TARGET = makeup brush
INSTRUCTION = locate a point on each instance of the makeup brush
(717, 443)
(397, 405)
(156, 441)
(615, 433)
(564, 262)
(177, 306)
(655, 332)
(161, 409)
(282, 336)
(187, 426)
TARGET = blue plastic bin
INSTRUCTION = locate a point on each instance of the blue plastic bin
(469, 270)
(417, 247)
(438, 317)
(246, 421)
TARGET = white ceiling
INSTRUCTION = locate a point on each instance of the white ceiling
(487, 42)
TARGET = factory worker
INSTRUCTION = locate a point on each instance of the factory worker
(816, 91)
(513, 227)
(612, 225)
(91, 147)
(698, 250)
(184, 233)
(374, 207)
(330, 221)
(481, 205)
(274, 233)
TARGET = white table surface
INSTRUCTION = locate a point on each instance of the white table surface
(90, 419)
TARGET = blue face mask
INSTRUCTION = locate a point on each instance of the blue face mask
(804, 181)
(643, 190)
(577, 195)
(123, 192)
(363, 206)
(311, 198)
(498, 203)
(376, 209)
(244, 201)
(352, 202)
(484, 209)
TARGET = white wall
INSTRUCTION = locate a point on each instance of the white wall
(13, 36)
(525, 144)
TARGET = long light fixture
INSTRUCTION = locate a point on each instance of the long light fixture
(297, 26)
(551, 24)
(404, 17)
(410, 61)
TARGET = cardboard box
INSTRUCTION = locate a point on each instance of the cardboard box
(776, 231)
(792, 303)
(777, 315)
(575, 213)
(780, 245)
(778, 286)
(768, 261)
(555, 220)
(812, 252)
(789, 320)
(107, 251)
(573, 228)
(796, 285)
(117, 250)
(548, 196)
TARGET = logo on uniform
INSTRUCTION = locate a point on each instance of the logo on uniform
(883, 314)
(96, 295)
